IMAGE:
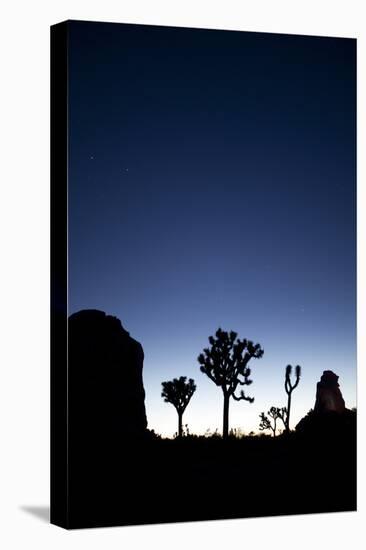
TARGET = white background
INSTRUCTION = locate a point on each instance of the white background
(24, 273)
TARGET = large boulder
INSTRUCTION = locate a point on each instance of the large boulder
(328, 395)
(106, 392)
(329, 418)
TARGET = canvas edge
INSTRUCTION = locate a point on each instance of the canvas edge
(59, 482)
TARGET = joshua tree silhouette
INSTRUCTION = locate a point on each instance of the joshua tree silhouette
(274, 413)
(178, 392)
(282, 415)
(289, 387)
(225, 363)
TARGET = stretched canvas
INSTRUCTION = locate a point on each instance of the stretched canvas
(203, 277)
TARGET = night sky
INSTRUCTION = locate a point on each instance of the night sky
(212, 183)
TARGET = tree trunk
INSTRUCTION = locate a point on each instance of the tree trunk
(225, 427)
(180, 425)
(288, 413)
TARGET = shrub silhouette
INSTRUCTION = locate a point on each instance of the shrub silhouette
(289, 387)
(178, 392)
(270, 422)
(282, 415)
(225, 363)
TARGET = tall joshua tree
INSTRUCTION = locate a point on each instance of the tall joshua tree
(178, 392)
(289, 387)
(274, 413)
(225, 363)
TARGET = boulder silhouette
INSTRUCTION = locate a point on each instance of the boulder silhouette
(106, 392)
(329, 417)
(328, 395)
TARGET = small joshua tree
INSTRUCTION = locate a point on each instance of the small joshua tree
(289, 387)
(225, 363)
(274, 413)
(282, 415)
(178, 392)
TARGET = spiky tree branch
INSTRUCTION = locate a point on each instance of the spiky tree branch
(274, 413)
(226, 364)
(289, 388)
(282, 415)
(178, 392)
(265, 423)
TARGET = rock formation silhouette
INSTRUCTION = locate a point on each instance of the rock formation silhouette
(106, 393)
(328, 395)
(330, 417)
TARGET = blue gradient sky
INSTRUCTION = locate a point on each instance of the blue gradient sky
(212, 183)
